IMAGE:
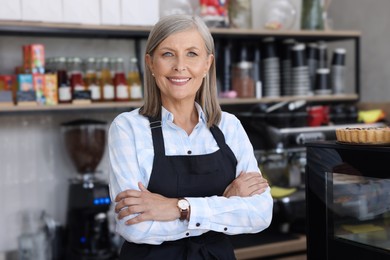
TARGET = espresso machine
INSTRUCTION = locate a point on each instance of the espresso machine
(87, 227)
(278, 133)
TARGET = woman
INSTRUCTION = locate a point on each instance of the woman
(183, 174)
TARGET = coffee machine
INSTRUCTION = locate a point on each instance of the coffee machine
(87, 227)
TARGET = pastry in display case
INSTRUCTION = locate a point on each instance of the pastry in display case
(364, 135)
(347, 200)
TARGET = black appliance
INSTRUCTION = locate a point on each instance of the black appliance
(348, 201)
(278, 134)
(87, 227)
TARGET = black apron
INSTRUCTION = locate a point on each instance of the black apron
(188, 176)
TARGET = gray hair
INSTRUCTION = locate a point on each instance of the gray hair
(207, 94)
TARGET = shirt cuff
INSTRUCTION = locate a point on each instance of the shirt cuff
(200, 213)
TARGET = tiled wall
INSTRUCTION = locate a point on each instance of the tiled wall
(35, 168)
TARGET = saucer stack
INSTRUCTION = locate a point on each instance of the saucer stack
(300, 79)
(271, 69)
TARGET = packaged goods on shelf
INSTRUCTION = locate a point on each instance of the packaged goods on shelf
(45, 86)
(39, 83)
(34, 58)
(7, 83)
(25, 93)
(50, 90)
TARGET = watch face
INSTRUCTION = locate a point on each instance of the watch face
(183, 204)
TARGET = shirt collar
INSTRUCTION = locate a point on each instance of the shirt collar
(168, 116)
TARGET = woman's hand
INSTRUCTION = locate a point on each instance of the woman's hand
(246, 184)
(148, 206)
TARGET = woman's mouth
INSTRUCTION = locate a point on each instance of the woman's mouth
(179, 80)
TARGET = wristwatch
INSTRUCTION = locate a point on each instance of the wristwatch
(184, 208)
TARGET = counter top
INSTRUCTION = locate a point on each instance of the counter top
(291, 246)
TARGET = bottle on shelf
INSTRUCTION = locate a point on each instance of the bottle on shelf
(64, 89)
(76, 75)
(105, 80)
(112, 66)
(91, 80)
(122, 91)
(134, 80)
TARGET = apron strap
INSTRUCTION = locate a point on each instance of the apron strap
(158, 140)
(220, 139)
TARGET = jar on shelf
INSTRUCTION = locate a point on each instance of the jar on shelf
(240, 14)
(75, 71)
(90, 78)
(242, 79)
(120, 81)
(134, 80)
(278, 15)
(64, 89)
(312, 17)
(105, 80)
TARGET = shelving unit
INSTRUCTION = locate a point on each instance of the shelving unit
(138, 33)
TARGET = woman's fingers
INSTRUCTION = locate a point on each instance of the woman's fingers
(127, 194)
(246, 184)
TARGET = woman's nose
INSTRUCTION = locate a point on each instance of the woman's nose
(179, 65)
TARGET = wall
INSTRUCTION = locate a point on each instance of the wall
(35, 168)
(371, 18)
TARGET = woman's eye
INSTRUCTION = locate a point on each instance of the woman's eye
(167, 54)
(192, 54)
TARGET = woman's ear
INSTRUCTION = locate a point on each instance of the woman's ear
(210, 59)
(149, 62)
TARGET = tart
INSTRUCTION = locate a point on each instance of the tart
(369, 135)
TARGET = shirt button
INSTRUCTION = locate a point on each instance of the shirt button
(187, 234)
(197, 224)
(225, 228)
(189, 152)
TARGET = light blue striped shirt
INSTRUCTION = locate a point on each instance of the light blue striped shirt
(131, 154)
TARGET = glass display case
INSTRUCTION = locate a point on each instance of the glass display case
(348, 201)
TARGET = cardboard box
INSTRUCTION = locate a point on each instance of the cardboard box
(109, 12)
(10, 10)
(50, 90)
(143, 13)
(34, 58)
(39, 84)
(25, 82)
(25, 94)
(8, 87)
(7, 82)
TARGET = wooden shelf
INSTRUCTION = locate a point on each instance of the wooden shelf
(134, 104)
(319, 98)
(272, 249)
(69, 107)
(23, 28)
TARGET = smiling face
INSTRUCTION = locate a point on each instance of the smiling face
(179, 64)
